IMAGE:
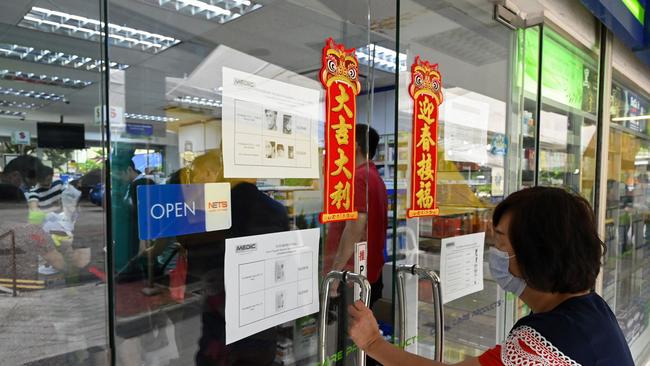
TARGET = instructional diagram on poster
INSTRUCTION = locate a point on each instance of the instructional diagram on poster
(461, 265)
(270, 128)
(270, 279)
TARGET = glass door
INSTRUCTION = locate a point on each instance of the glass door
(473, 57)
(218, 148)
(625, 269)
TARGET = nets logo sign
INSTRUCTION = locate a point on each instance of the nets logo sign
(179, 209)
(215, 206)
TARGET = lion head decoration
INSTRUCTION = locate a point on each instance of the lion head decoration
(340, 65)
(425, 78)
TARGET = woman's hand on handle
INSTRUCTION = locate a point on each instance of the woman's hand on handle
(363, 326)
(365, 334)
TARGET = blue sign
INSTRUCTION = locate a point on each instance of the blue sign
(139, 129)
(499, 145)
(628, 20)
(180, 209)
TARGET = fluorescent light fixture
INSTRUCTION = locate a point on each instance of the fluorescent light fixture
(147, 117)
(641, 162)
(15, 104)
(384, 58)
(221, 11)
(633, 118)
(52, 21)
(47, 57)
(6, 113)
(33, 94)
(30, 77)
(198, 101)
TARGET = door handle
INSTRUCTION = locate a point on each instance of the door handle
(343, 277)
(437, 302)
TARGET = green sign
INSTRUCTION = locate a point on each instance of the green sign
(635, 7)
(566, 76)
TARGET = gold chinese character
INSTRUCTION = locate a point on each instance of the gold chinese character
(425, 200)
(425, 171)
(341, 195)
(343, 98)
(426, 111)
(341, 128)
(340, 163)
(425, 138)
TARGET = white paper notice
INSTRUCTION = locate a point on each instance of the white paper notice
(270, 279)
(270, 128)
(461, 266)
(465, 129)
(360, 263)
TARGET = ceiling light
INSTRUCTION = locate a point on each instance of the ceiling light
(30, 77)
(47, 57)
(633, 118)
(46, 20)
(33, 94)
(221, 11)
(147, 117)
(6, 113)
(198, 101)
(384, 58)
(15, 104)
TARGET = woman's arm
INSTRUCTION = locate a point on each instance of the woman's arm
(365, 333)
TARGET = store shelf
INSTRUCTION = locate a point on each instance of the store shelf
(546, 102)
(630, 131)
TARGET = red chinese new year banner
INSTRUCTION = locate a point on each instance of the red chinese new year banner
(339, 76)
(426, 91)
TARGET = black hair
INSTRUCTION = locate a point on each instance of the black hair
(43, 172)
(132, 166)
(26, 165)
(367, 138)
(554, 237)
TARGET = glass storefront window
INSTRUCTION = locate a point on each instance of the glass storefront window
(626, 267)
(567, 153)
(172, 186)
(473, 55)
(233, 111)
(53, 292)
(558, 122)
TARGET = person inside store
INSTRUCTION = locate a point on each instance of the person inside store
(253, 213)
(129, 248)
(371, 202)
(548, 253)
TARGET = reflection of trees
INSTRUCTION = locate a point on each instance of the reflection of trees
(58, 157)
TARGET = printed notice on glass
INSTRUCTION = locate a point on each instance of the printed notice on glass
(270, 279)
(466, 129)
(461, 266)
(270, 128)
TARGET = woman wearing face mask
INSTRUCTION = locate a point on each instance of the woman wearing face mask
(548, 253)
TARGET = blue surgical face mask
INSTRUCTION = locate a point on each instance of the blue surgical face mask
(499, 263)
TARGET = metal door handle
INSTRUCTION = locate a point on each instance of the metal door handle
(437, 302)
(343, 277)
